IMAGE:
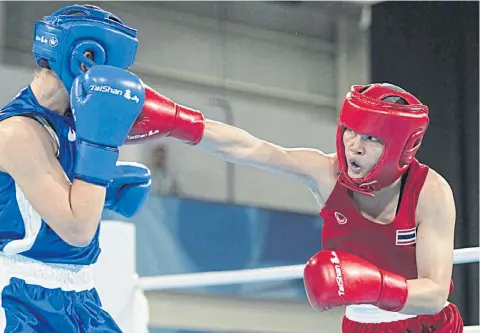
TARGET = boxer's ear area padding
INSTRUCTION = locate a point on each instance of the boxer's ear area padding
(89, 55)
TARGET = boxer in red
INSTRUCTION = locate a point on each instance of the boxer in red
(388, 220)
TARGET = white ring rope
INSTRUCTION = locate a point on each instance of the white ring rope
(175, 281)
(281, 273)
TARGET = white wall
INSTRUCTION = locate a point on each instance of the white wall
(279, 87)
(2, 28)
(12, 80)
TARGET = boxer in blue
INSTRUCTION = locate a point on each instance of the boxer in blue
(59, 140)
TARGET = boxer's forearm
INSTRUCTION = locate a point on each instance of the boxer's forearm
(424, 297)
(238, 146)
(86, 203)
(230, 143)
(162, 117)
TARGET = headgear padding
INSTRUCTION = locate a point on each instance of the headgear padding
(61, 39)
(368, 110)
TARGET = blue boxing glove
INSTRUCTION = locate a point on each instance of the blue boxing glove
(105, 103)
(129, 189)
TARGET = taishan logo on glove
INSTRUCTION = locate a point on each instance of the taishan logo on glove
(142, 136)
(107, 89)
(338, 273)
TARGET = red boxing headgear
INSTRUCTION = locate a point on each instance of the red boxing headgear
(400, 127)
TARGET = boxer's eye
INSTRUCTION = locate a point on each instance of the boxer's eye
(374, 139)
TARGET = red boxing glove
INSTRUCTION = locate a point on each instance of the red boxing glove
(162, 117)
(335, 279)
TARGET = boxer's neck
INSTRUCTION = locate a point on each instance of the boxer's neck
(50, 91)
(385, 199)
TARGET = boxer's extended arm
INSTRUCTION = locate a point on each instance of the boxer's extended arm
(162, 117)
(434, 248)
(27, 154)
(238, 146)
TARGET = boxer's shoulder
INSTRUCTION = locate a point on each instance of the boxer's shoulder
(325, 176)
(435, 197)
(22, 127)
(434, 187)
(20, 134)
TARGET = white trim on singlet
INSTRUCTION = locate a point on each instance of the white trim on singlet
(32, 223)
(369, 314)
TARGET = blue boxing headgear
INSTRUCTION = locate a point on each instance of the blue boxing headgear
(61, 40)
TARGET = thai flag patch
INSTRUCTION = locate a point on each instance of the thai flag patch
(406, 236)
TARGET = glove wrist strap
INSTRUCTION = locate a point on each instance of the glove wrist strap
(189, 125)
(394, 293)
(95, 164)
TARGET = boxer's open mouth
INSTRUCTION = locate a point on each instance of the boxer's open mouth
(354, 166)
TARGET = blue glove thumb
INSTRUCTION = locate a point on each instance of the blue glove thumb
(129, 189)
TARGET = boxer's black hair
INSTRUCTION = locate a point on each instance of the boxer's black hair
(391, 99)
(395, 99)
